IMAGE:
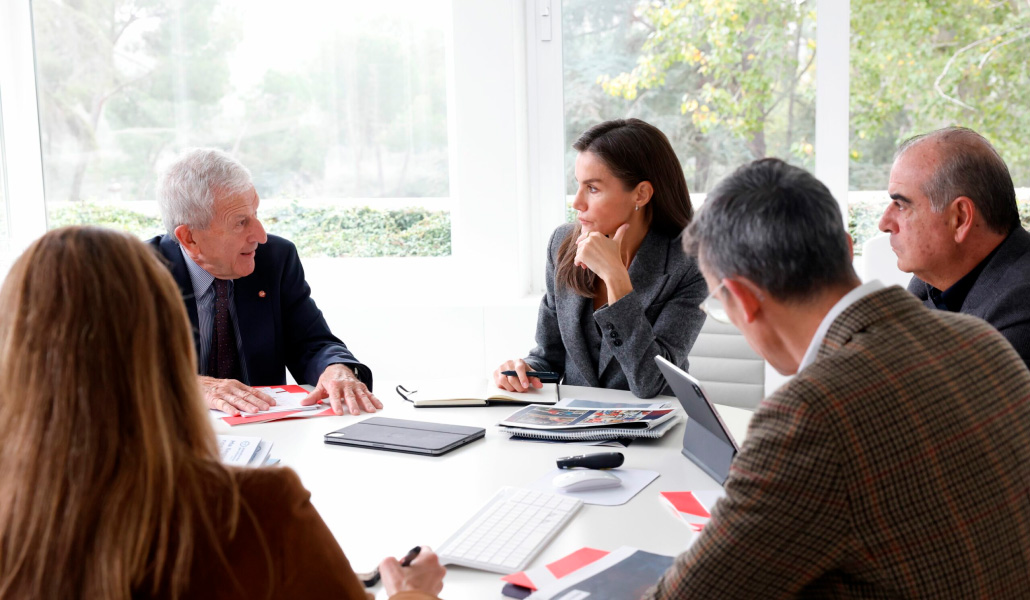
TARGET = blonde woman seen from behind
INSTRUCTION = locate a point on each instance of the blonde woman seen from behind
(109, 471)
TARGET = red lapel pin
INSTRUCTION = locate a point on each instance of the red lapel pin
(261, 294)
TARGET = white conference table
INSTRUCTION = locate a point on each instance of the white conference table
(379, 503)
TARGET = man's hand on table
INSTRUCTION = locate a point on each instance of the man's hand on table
(231, 396)
(339, 383)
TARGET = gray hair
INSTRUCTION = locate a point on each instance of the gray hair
(969, 166)
(776, 225)
(186, 189)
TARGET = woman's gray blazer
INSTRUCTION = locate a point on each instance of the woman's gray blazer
(614, 346)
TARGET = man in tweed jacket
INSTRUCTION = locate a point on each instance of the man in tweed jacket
(896, 463)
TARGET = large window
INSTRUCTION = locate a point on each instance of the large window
(338, 108)
(727, 82)
(919, 66)
(730, 81)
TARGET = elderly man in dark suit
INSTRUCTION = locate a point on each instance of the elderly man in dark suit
(954, 226)
(245, 292)
(895, 463)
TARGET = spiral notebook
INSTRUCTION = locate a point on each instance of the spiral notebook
(564, 423)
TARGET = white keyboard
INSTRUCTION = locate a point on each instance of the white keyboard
(509, 531)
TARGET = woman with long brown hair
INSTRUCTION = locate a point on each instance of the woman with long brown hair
(110, 483)
(620, 290)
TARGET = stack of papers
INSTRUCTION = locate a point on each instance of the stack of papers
(244, 451)
(644, 405)
(608, 440)
(287, 405)
(566, 423)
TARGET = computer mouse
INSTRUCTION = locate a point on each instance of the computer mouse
(586, 479)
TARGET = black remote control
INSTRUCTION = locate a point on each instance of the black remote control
(601, 460)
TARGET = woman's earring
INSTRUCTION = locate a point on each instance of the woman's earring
(637, 207)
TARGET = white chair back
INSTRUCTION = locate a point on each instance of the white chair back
(731, 372)
(880, 262)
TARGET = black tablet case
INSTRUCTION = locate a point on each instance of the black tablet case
(401, 435)
(705, 440)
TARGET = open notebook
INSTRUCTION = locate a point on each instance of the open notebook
(466, 392)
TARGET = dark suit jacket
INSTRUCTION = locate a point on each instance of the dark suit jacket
(279, 330)
(659, 317)
(896, 465)
(281, 547)
(1001, 294)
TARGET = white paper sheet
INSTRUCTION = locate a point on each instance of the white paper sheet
(238, 450)
(261, 454)
(284, 401)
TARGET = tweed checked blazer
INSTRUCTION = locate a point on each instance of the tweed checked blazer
(659, 317)
(897, 465)
(1001, 294)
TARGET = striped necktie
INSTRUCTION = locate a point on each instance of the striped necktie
(223, 361)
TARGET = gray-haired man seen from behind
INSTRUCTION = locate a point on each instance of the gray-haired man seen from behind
(895, 463)
(954, 225)
(245, 292)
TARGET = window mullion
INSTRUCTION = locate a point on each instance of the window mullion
(24, 166)
(832, 98)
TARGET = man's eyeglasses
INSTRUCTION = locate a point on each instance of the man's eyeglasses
(714, 307)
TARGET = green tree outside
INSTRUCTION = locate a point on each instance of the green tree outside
(744, 71)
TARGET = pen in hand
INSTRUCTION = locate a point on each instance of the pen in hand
(545, 376)
(410, 556)
(371, 579)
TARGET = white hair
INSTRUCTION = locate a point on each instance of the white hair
(186, 189)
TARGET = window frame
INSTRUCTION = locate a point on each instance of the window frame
(18, 109)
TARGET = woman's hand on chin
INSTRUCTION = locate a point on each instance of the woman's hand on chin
(601, 254)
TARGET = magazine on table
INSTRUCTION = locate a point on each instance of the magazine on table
(580, 424)
(605, 404)
(537, 416)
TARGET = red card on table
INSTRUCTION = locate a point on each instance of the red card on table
(534, 578)
(686, 502)
(694, 508)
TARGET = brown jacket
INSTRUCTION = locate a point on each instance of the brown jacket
(282, 548)
(897, 465)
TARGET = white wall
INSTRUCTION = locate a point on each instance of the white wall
(424, 333)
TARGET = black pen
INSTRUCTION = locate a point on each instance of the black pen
(370, 579)
(410, 556)
(543, 375)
